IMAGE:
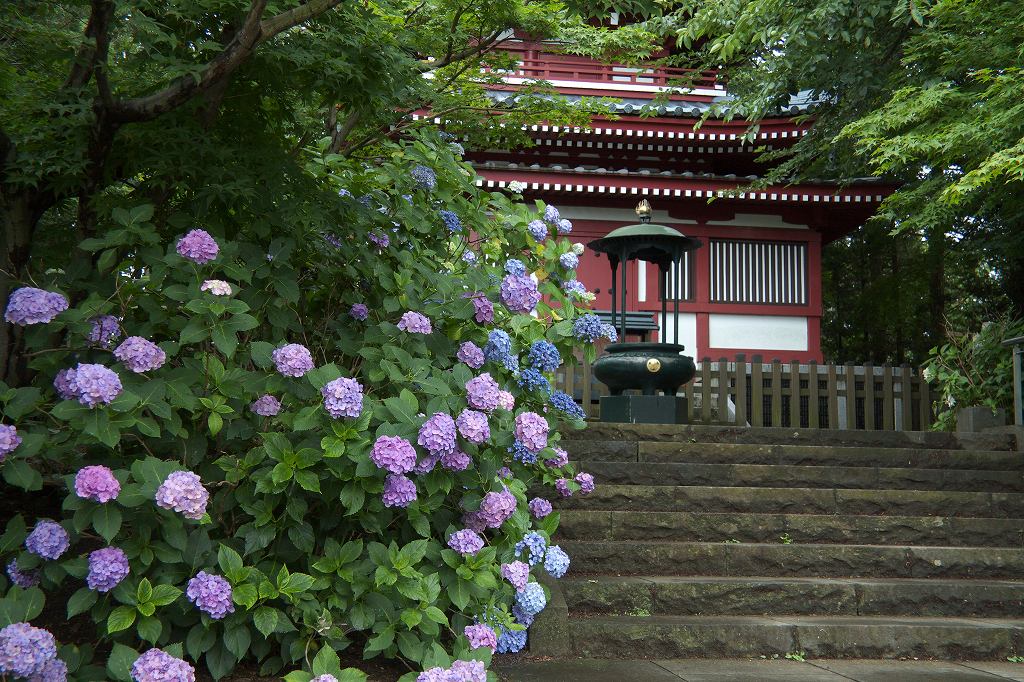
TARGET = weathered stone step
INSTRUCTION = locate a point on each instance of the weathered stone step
(578, 524)
(639, 558)
(716, 595)
(755, 636)
(792, 454)
(800, 500)
(778, 475)
(684, 433)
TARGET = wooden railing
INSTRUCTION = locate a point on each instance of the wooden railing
(792, 395)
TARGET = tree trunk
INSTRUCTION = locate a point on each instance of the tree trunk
(19, 217)
(936, 260)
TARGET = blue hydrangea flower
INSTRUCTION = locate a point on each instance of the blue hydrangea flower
(587, 328)
(511, 641)
(521, 454)
(532, 380)
(514, 266)
(544, 356)
(469, 257)
(450, 220)
(499, 349)
(425, 177)
(556, 561)
(564, 403)
(608, 332)
(532, 599)
(538, 230)
(551, 214)
(574, 288)
(535, 544)
(569, 260)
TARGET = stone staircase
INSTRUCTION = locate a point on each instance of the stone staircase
(741, 543)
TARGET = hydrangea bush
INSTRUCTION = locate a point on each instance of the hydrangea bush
(331, 446)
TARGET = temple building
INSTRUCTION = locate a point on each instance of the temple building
(754, 287)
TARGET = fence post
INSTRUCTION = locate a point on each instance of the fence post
(1018, 379)
(776, 392)
(869, 396)
(833, 398)
(691, 414)
(757, 391)
(851, 397)
(723, 390)
(741, 389)
(794, 394)
(888, 399)
(926, 401)
(705, 390)
(907, 397)
(588, 381)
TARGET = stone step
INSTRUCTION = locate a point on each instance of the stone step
(799, 528)
(799, 501)
(792, 454)
(755, 636)
(715, 595)
(639, 558)
(803, 476)
(684, 433)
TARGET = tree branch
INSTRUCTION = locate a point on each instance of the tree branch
(85, 56)
(478, 49)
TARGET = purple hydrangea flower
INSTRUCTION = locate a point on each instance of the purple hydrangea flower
(9, 440)
(183, 492)
(534, 545)
(506, 401)
(198, 246)
(381, 240)
(569, 260)
(97, 483)
(332, 240)
(343, 398)
(105, 330)
(511, 641)
(467, 671)
(28, 305)
(480, 636)
(471, 354)
(496, 508)
(424, 176)
(551, 214)
(587, 328)
(54, 670)
(562, 486)
(399, 491)
(435, 674)
(482, 392)
(543, 355)
(394, 453)
(586, 482)
(473, 426)
(560, 459)
(531, 599)
(216, 287)
(64, 384)
(517, 573)
(23, 579)
(95, 384)
(466, 542)
(107, 568)
(514, 266)
(574, 288)
(539, 507)
(427, 464)
(483, 309)
(158, 666)
(503, 472)
(556, 561)
(25, 650)
(266, 406)
(211, 594)
(538, 229)
(563, 402)
(450, 220)
(359, 311)
(292, 359)
(519, 294)
(472, 521)
(415, 323)
(140, 355)
(456, 461)
(48, 540)
(532, 431)
(564, 226)
(437, 434)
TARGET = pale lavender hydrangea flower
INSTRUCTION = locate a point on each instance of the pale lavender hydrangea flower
(427, 464)
(217, 287)
(54, 670)
(586, 482)
(343, 398)
(415, 323)
(456, 461)
(506, 401)
(574, 289)
(564, 226)
(9, 440)
(159, 666)
(399, 491)
(23, 579)
(211, 594)
(538, 230)
(517, 573)
(48, 540)
(496, 508)
(324, 678)
(467, 671)
(551, 214)
(556, 561)
(473, 426)
(437, 434)
(140, 355)
(471, 354)
(359, 311)
(266, 406)
(107, 568)
(105, 330)
(482, 392)
(480, 636)
(503, 472)
(198, 246)
(539, 507)
(64, 384)
(466, 542)
(25, 650)
(562, 486)
(292, 359)
(95, 385)
(532, 431)
(183, 492)
(97, 483)
(28, 305)
(519, 294)
(560, 459)
(469, 257)
(569, 260)
(394, 453)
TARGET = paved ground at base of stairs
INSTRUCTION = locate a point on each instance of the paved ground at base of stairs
(691, 670)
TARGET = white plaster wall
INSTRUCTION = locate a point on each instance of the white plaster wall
(687, 331)
(766, 332)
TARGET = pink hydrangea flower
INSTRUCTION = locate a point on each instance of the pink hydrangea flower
(198, 246)
(415, 323)
(394, 453)
(97, 483)
(532, 431)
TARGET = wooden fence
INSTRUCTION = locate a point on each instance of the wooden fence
(756, 393)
